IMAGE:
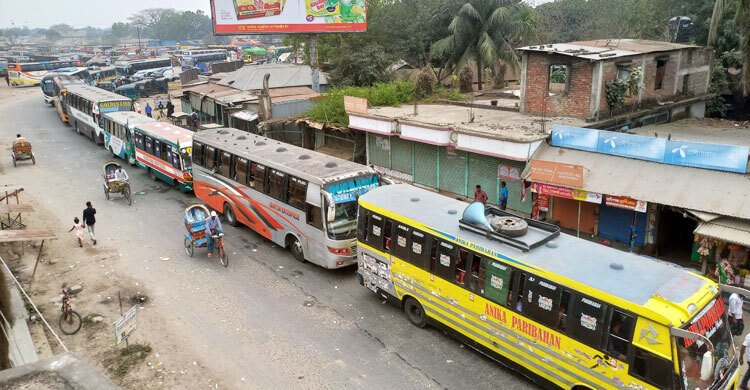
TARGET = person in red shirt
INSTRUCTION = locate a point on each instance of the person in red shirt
(480, 195)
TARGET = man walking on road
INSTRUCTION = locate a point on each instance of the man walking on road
(148, 110)
(480, 195)
(736, 325)
(745, 357)
(90, 220)
(503, 195)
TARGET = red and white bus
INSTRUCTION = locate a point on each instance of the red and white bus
(163, 150)
(295, 197)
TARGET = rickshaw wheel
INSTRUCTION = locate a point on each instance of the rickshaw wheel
(189, 247)
(126, 192)
(106, 191)
(14, 160)
(33, 160)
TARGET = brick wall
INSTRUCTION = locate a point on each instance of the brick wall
(576, 101)
(573, 103)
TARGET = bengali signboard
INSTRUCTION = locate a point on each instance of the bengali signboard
(355, 105)
(568, 175)
(731, 158)
(623, 202)
(235, 17)
(721, 157)
(568, 193)
(125, 325)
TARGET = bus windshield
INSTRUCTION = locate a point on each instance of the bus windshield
(187, 162)
(710, 322)
(344, 225)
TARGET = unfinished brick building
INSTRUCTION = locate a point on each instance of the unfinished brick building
(570, 79)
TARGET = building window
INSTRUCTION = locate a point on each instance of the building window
(559, 77)
(685, 84)
(661, 67)
(623, 73)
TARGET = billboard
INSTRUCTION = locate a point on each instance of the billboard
(233, 17)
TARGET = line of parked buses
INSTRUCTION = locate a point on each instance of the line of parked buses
(565, 312)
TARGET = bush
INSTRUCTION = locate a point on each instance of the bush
(330, 108)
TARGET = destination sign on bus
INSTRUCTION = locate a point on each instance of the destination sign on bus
(350, 190)
(114, 106)
(707, 322)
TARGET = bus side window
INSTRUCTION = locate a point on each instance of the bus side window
(375, 231)
(620, 332)
(519, 283)
(260, 177)
(463, 256)
(314, 216)
(586, 321)
(176, 159)
(170, 159)
(419, 249)
(388, 231)
(477, 274)
(197, 153)
(363, 221)
(139, 141)
(297, 192)
(400, 241)
(497, 278)
(446, 260)
(542, 301)
(277, 180)
(433, 243)
(149, 145)
(562, 313)
(652, 369)
(251, 168)
(157, 148)
(240, 169)
(225, 167)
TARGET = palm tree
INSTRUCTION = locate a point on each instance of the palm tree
(742, 27)
(485, 30)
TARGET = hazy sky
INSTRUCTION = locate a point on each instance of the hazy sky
(82, 13)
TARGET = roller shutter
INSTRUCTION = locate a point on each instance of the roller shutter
(483, 171)
(565, 213)
(614, 224)
(425, 170)
(402, 155)
(514, 189)
(378, 152)
(453, 171)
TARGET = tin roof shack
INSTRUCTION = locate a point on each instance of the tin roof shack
(452, 149)
(570, 79)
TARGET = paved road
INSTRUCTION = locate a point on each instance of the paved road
(266, 321)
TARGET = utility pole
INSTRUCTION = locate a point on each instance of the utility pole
(314, 62)
(138, 27)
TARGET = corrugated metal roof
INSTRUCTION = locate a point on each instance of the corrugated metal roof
(204, 89)
(282, 75)
(705, 190)
(726, 229)
(603, 49)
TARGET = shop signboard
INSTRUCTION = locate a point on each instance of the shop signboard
(633, 146)
(624, 202)
(568, 193)
(237, 17)
(568, 175)
(508, 173)
(543, 202)
(355, 105)
(732, 158)
(575, 137)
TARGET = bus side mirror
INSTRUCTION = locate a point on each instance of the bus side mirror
(707, 366)
(330, 207)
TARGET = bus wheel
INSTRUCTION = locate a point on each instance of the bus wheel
(415, 312)
(296, 247)
(229, 214)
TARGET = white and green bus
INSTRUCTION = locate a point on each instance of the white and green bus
(118, 133)
(85, 104)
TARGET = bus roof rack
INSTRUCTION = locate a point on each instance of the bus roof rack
(539, 233)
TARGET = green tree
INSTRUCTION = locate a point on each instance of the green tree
(361, 66)
(742, 28)
(52, 36)
(485, 30)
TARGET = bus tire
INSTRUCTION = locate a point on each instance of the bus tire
(75, 124)
(229, 215)
(295, 246)
(415, 312)
(151, 175)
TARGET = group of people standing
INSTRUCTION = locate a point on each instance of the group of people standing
(481, 196)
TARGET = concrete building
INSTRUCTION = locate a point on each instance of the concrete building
(570, 79)
(451, 148)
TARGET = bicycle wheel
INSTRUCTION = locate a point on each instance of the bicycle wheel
(223, 258)
(126, 192)
(189, 247)
(71, 323)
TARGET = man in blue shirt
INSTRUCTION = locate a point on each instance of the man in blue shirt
(148, 110)
(213, 228)
(503, 196)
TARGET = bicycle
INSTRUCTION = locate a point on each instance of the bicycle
(223, 258)
(70, 321)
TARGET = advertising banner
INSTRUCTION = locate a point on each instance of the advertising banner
(732, 158)
(568, 175)
(633, 146)
(562, 192)
(236, 17)
(575, 137)
(624, 202)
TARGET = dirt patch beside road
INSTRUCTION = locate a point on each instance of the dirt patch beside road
(156, 358)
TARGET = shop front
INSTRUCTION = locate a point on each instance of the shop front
(572, 209)
(722, 245)
(623, 220)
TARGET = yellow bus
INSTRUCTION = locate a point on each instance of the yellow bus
(565, 312)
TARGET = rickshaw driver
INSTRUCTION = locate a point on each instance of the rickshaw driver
(213, 228)
(19, 139)
(121, 177)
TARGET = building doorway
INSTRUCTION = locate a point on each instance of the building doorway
(674, 235)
